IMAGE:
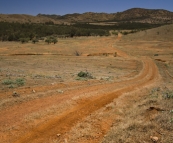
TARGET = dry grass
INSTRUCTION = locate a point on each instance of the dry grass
(130, 121)
(36, 68)
(127, 119)
(92, 127)
(163, 33)
(138, 123)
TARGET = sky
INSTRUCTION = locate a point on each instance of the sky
(62, 7)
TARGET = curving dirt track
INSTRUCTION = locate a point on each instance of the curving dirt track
(62, 123)
(79, 100)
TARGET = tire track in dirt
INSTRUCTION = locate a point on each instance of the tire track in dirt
(13, 116)
(34, 103)
(40, 92)
(63, 123)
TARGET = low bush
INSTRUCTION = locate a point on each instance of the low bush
(168, 94)
(13, 83)
(35, 40)
(50, 40)
(85, 75)
(24, 40)
(20, 81)
(7, 82)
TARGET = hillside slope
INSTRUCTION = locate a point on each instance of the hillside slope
(130, 15)
(24, 18)
(133, 15)
(163, 33)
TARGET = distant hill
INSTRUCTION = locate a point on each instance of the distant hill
(162, 33)
(85, 17)
(24, 18)
(156, 16)
(146, 15)
(132, 15)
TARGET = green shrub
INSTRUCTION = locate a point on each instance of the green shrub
(115, 33)
(24, 40)
(168, 94)
(48, 40)
(125, 33)
(7, 82)
(54, 40)
(14, 83)
(85, 74)
(51, 40)
(156, 54)
(82, 74)
(11, 86)
(20, 81)
(35, 40)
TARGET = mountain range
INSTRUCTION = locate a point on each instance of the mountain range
(155, 16)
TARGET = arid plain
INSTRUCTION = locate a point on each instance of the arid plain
(128, 99)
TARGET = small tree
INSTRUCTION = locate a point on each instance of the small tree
(48, 40)
(34, 40)
(51, 40)
(24, 40)
(54, 40)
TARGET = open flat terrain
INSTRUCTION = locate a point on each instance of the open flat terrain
(128, 99)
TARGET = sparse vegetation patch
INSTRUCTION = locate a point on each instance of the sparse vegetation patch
(13, 83)
(7, 82)
(85, 75)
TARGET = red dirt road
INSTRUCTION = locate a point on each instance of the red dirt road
(37, 117)
(63, 123)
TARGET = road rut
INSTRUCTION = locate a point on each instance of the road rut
(63, 123)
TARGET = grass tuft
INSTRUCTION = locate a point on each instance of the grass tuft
(13, 83)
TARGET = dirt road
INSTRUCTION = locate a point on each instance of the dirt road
(68, 118)
(41, 112)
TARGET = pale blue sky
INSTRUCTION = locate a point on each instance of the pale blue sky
(61, 7)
